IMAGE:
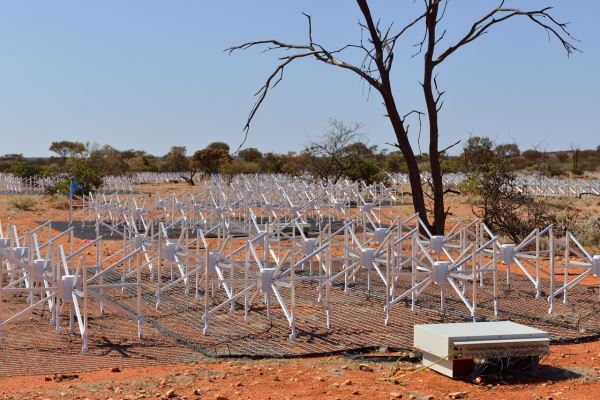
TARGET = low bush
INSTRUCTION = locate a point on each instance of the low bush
(587, 231)
(493, 193)
(22, 203)
(59, 201)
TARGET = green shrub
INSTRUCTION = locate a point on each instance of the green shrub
(86, 177)
(587, 231)
(24, 169)
(59, 201)
(491, 190)
(555, 169)
(22, 203)
(470, 187)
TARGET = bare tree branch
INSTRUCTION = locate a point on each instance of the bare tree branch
(450, 190)
(449, 147)
(391, 43)
(540, 17)
(309, 50)
(443, 12)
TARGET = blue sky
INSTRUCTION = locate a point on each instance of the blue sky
(150, 74)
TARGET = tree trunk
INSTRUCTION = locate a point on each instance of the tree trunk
(190, 180)
(385, 89)
(414, 174)
(437, 184)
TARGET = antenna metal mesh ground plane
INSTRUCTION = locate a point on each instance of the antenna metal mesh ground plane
(268, 266)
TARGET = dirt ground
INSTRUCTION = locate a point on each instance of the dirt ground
(569, 372)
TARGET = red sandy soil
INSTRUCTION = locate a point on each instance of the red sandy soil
(570, 372)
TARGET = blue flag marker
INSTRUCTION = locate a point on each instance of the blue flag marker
(73, 186)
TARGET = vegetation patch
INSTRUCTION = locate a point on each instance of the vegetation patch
(22, 203)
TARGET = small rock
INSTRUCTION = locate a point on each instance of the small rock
(478, 381)
(356, 393)
(115, 369)
(47, 378)
(170, 394)
(163, 383)
(395, 395)
(336, 385)
(63, 377)
(197, 392)
(347, 382)
(220, 397)
(276, 378)
(365, 367)
(320, 379)
(238, 384)
(457, 395)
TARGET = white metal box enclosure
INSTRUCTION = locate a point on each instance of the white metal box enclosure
(452, 348)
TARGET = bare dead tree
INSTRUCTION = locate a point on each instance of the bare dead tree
(375, 68)
(329, 148)
(188, 177)
(576, 152)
